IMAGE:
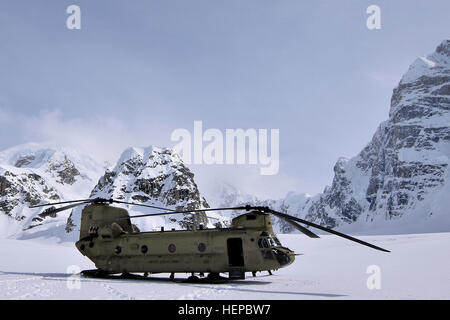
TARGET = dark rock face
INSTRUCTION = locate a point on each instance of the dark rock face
(154, 176)
(29, 188)
(65, 170)
(406, 160)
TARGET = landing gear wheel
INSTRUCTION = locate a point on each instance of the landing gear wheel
(193, 279)
(215, 277)
(96, 273)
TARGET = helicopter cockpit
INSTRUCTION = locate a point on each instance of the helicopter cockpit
(271, 249)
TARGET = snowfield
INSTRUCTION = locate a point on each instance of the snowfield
(330, 268)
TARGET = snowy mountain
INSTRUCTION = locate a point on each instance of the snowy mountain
(32, 174)
(152, 176)
(400, 182)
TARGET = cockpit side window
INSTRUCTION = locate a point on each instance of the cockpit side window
(260, 242)
(268, 242)
(277, 241)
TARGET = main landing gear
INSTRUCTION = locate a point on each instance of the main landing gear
(95, 273)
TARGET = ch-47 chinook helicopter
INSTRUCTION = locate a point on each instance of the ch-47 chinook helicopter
(116, 246)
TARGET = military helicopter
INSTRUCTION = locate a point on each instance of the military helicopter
(116, 246)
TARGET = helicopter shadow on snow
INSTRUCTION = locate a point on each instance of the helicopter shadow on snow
(231, 285)
(128, 278)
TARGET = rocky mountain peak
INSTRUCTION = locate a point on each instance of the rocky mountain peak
(154, 176)
(32, 174)
(435, 64)
(405, 165)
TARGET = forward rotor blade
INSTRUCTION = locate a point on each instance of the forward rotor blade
(275, 213)
(283, 215)
(56, 203)
(301, 228)
(296, 225)
(67, 207)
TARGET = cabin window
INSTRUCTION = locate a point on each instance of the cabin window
(144, 249)
(202, 247)
(251, 217)
(118, 250)
(172, 248)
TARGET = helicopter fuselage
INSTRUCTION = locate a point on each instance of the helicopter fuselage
(109, 239)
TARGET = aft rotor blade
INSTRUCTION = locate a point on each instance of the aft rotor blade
(66, 207)
(56, 203)
(300, 228)
(148, 206)
(186, 211)
(142, 205)
(283, 215)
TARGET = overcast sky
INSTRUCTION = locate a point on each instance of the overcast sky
(137, 70)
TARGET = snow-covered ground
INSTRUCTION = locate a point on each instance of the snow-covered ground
(331, 268)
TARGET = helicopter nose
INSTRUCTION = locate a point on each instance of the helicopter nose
(284, 256)
(291, 256)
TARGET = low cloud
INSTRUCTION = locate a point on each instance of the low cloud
(105, 137)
